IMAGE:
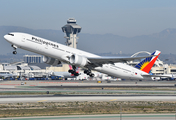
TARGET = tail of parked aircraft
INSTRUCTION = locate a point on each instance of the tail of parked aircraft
(148, 63)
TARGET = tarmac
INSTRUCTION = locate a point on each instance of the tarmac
(101, 117)
(81, 91)
(24, 99)
(100, 94)
(85, 84)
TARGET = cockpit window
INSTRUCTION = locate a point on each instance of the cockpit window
(11, 34)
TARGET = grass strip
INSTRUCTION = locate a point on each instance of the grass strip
(84, 108)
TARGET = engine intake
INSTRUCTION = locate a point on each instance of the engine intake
(51, 61)
(78, 60)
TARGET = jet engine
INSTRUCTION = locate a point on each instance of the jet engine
(51, 61)
(78, 60)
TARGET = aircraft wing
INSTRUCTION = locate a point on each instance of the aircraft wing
(99, 61)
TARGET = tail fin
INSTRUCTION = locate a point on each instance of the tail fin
(148, 63)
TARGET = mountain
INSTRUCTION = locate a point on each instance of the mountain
(164, 41)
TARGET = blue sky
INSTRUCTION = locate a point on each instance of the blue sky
(120, 17)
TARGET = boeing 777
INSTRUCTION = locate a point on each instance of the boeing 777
(55, 53)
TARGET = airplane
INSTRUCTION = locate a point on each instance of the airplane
(56, 53)
(63, 74)
(169, 77)
(6, 74)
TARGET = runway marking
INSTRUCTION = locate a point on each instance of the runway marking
(113, 99)
(42, 100)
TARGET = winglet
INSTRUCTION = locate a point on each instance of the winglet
(148, 62)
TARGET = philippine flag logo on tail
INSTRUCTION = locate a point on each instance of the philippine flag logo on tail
(148, 63)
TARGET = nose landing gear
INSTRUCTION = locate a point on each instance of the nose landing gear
(14, 52)
(14, 47)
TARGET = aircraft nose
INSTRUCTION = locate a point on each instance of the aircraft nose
(6, 37)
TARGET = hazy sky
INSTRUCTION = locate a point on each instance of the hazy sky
(120, 17)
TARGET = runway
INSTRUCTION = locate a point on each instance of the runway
(101, 117)
(88, 91)
(72, 98)
(85, 84)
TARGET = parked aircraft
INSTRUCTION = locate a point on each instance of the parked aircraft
(6, 74)
(55, 53)
(169, 77)
(63, 74)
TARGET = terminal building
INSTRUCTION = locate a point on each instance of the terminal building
(32, 58)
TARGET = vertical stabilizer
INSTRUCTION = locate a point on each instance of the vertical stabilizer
(148, 62)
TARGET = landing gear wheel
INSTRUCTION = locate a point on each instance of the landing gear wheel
(76, 74)
(88, 72)
(14, 52)
(70, 71)
(92, 75)
(73, 71)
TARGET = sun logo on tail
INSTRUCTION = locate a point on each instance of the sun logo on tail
(146, 64)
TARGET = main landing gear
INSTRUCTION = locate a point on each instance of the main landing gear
(73, 71)
(14, 47)
(88, 72)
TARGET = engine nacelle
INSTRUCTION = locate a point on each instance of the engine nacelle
(78, 60)
(51, 61)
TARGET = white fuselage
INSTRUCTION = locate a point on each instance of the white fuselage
(61, 52)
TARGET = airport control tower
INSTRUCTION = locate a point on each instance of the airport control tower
(71, 29)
